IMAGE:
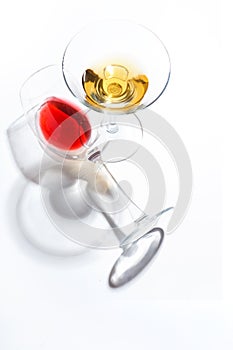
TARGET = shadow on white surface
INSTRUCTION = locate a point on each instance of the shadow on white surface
(30, 222)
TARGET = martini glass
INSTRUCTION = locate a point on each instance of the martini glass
(127, 70)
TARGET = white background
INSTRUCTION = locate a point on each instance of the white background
(184, 301)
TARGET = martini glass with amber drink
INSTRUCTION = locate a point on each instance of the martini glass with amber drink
(116, 68)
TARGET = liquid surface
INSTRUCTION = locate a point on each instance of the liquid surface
(114, 86)
(63, 124)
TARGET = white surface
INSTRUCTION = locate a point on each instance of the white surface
(49, 302)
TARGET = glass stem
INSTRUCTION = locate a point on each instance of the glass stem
(112, 126)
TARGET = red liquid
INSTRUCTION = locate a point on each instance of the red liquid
(63, 124)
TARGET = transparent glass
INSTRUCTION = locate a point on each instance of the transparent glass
(116, 66)
(58, 122)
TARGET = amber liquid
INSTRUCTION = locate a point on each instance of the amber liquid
(114, 86)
